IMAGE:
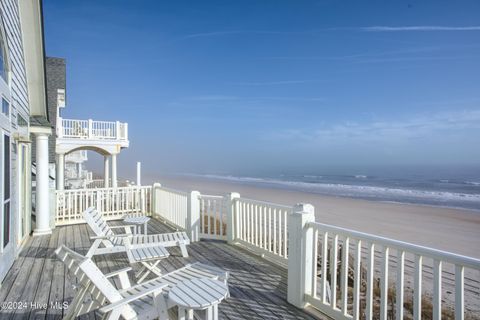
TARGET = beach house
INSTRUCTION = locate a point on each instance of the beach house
(24, 119)
(281, 263)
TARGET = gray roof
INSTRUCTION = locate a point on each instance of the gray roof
(40, 121)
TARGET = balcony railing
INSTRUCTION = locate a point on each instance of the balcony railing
(343, 273)
(89, 129)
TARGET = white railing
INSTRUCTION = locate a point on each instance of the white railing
(171, 205)
(262, 226)
(95, 183)
(113, 203)
(213, 215)
(344, 273)
(388, 276)
(89, 129)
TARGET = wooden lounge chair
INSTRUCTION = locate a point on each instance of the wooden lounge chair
(148, 300)
(113, 243)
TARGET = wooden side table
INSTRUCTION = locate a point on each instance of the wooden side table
(198, 294)
(138, 221)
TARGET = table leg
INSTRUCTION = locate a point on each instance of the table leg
(181, 313)
(209, 313)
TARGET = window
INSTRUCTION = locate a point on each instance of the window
(5, 107)
(6, 190)
(21, 122)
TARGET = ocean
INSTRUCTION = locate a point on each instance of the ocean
(446, 187)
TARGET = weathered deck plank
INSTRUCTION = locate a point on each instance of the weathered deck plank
(258, 288)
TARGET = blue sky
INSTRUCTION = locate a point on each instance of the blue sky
(249, 86)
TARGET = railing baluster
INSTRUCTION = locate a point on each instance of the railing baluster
(207, 213)
(370, 276)
(344, 275)
(275, 231)
(264, 227)
(323, 279)
(285, 236)
(459, 292)
(269, 229)
(417, 292)
(315, 263)
(333, 271)
(399, 284)
(384, 284)
(214, 216)
(255, 224)
(356, 280)
(437, 289)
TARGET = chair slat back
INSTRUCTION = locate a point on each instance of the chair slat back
(96, 222)
(91, 278)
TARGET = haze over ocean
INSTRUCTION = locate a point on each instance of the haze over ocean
(320, 95)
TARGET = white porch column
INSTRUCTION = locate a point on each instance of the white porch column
(79, 170)
(114, 170)
(42, 188)
(60, 178)
(106, 171)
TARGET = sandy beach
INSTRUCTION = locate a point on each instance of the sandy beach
(453, 230)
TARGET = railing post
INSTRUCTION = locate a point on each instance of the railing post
(193, 216)
(232, 213)
(300, 255)
(90, 128)
(155, 200)
(117, 130)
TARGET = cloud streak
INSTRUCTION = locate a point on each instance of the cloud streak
(419, 28)
(271, 83)
(419, 127)
(242, 32)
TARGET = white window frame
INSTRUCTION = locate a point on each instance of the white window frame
(2, 190)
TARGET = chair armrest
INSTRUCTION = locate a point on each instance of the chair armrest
(114, 273)
(130, 298)
(110, 237)
(125, 226)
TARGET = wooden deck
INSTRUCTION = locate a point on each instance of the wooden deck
(38, 285)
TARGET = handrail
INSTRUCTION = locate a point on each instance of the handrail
(401, 245)
(180, 192)
(264, 203)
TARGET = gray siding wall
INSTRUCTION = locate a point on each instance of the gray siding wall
(11, 20)
(19, 104)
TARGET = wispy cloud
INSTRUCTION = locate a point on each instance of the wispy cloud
(386, 131)
(318, 31)
(271, 83)
(214, 97)
(243, 32)
(419, 28)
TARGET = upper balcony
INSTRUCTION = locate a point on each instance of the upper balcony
(105, 136)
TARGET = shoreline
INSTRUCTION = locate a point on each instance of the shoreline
(445, 228)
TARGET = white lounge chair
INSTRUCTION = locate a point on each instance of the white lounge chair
(113, 243)
(148, 300)
(147, 250)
